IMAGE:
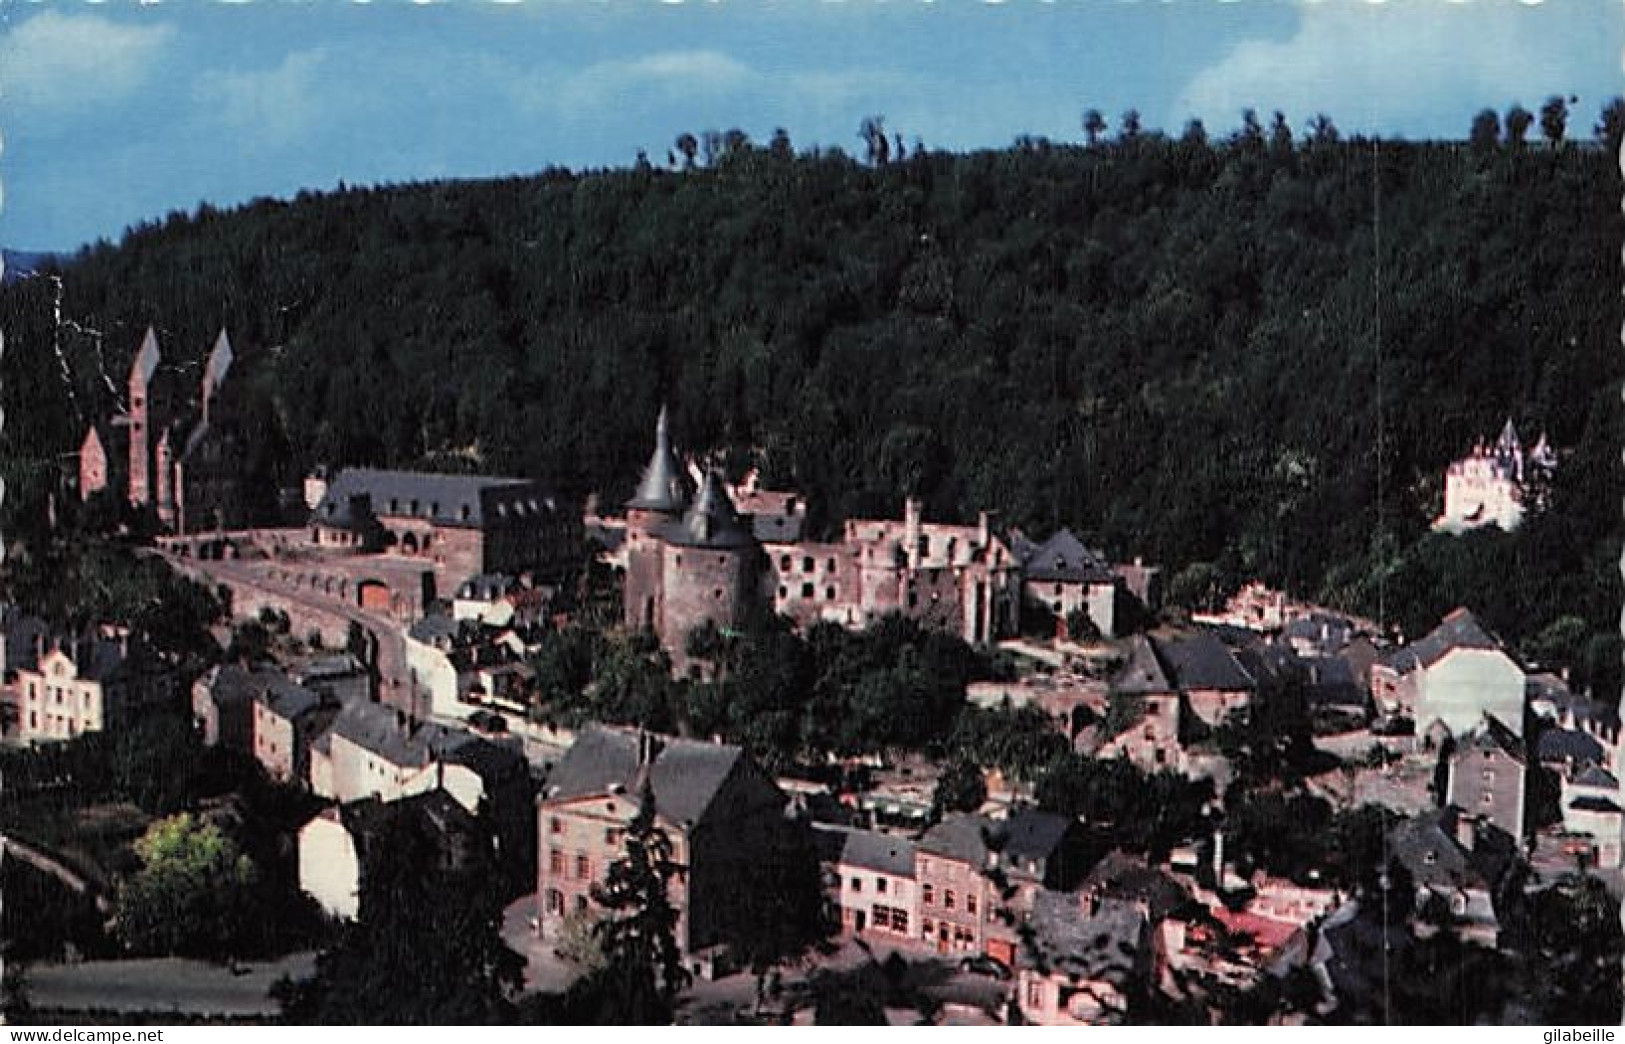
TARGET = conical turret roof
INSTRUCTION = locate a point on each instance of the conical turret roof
(663, 487)
(146, 359)
(713, 521)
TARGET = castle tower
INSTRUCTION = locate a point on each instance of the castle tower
(140, 387)
(710, 569)
(659, 502)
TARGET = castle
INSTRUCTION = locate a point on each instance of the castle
(693, 559)
(180, 460)
(1494, 485)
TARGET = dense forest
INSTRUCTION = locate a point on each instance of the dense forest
(1240, 355)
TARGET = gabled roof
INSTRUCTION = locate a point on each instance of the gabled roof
(378, 729)
(663, 487)
(1596, 776)
(1201, 661)
(1568, 745)
(1594, 803)
(960, 836)
(870, 850)
(1426, 846)
(1099, 942)
(1144, 673)
(1490, 735)
(1063, 558)
(1031, 834)
(686, 776)
(1460, 629)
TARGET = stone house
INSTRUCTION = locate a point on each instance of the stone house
(1494, 484)
(1087, 959)
(1061, 576)
(721, 813)
(1488, 776)
(1454, 676)
(101, 682)
(333, 846)
(461, 525)
(1456, 863)
(872, 882)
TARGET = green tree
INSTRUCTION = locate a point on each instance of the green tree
(1518, 120)
(1485, 134)
(643, 967)
(1554, 119)
(426, 947)
(194, 893)
(960, 788)
(1094, 125)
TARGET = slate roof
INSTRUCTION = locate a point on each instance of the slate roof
(1460, 629)
(961, 836)
(870, 850)
(1201, 661)
(1031, 834)
(1063, 558)
(686, 777)
(1144, 673)
(1426, 846)
(1490, 734)
(1596, 776)
(22, 633)
(1568, 745)
(663, 486)
(233, 683)
(1593, 803)
(1128, 877)
(1326, 631)
(376, 728)
(777, 528)
(465, 501)
(712, 521)
(1099, 945)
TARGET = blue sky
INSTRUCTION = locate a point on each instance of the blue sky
(115, 112)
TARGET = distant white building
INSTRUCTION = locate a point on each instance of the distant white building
(1494, 484)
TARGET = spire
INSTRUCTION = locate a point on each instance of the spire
(713, 521)
(214, 371)
(662, 487)
(1508, 442)
(146, 359)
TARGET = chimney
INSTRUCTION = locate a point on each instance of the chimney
(1466, 830)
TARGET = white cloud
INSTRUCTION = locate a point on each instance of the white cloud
(66, 62)
(1413, 65)
(276, 106)
(665, 71)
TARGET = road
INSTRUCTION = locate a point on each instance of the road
(163, 984)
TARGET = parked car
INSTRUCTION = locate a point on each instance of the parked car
(988, 966)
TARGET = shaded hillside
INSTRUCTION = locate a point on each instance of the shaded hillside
(1170, 345)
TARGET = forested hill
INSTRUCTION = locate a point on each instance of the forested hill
(1178, 347)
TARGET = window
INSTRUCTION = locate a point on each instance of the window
(1035, 993)
(899, 920)
(784, 563)
(829, 566)
(555, 825)
(583, 867)
(613, 835)
(807, 564)
(857, 884)
(1489, 776)
(807, 590)
(927, 927)
(925, 866)
(928, 895)
(784, 592)
(555, 901)
(880, 916)
(948, 899)
(829, 594)
(555, 862)
(1489, 798)
(970, 903)
(581, 903)
(880, 885)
